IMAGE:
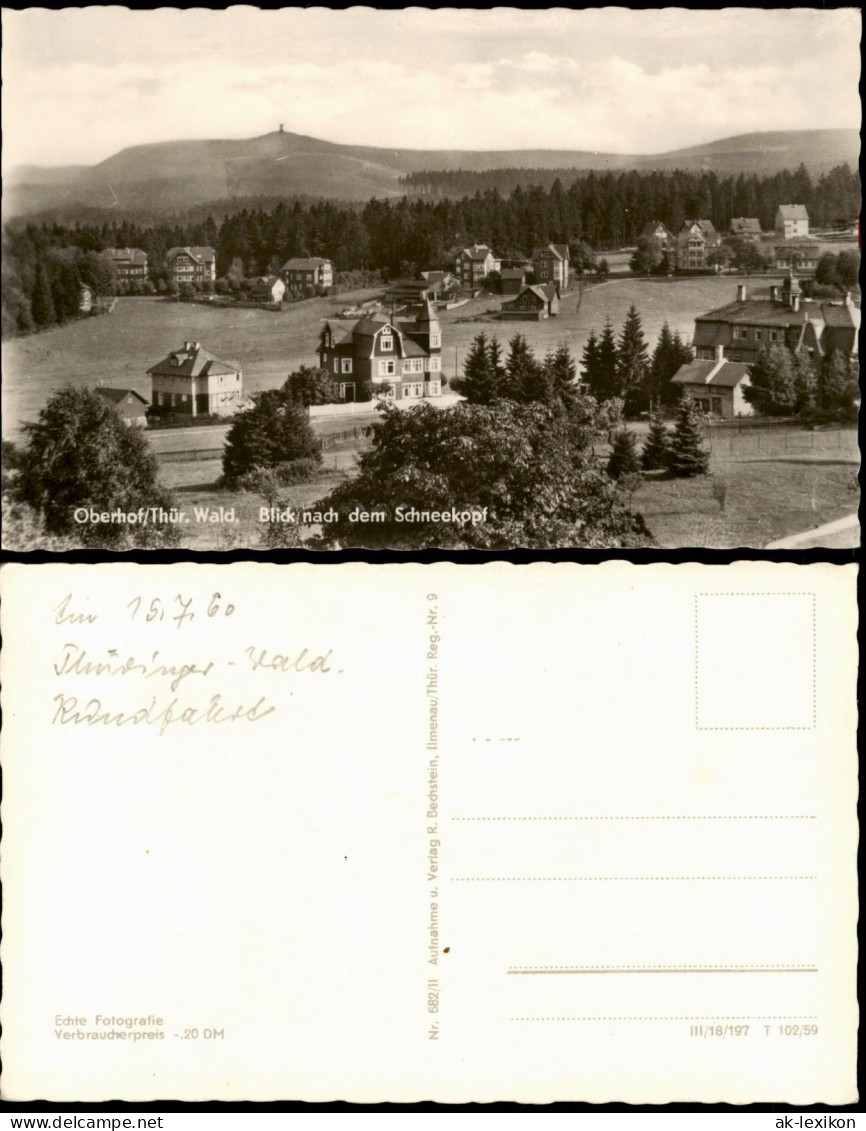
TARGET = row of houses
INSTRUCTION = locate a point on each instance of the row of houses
(198, 265)
(690, 249)
(549, 264)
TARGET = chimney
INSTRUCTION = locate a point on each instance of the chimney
(795, 302)
(720, 353)
(187, 345)
(196, 345)
(774, 292)
(741, 292)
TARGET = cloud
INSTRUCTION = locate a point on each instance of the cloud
(609, 80)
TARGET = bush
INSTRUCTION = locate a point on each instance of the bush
(296, 471)
(276, 430)
(624, 459)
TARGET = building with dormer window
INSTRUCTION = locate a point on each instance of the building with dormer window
(394, 358)
(194, 382)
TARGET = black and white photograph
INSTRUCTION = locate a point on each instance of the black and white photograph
(430, 278)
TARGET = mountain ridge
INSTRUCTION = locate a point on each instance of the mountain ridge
(180, 173)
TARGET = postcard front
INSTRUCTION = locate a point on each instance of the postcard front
(408, 832)
(431, 278)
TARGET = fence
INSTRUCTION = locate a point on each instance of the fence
(190, 455)
(836, 443)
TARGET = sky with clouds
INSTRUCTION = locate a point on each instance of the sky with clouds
(80, 84)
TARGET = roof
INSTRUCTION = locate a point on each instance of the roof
(755, 312)
(706, 226)
(785, 251)
(199, 254)
(412, 349)
(746, 224)
(433, 277)
(560, 250)
(367, 327)
(127, 255)
(301, 264)
(191, 361)
(478, 251)
(708, 335)
(839, 316)
(547, 289)
(118, 395)
(793, 212)
(544, 293)
(725, 373)
(652, 226)
(512, 273)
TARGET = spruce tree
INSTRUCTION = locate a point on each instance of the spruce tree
(497, 368)
(42, 303)
(773, 385)
(632, 364)
(476, 384)
(589, 363)
(656, 450)
(605, 383)
(624, 459)
(564, 377)
(660, 363)
(520, 370)
(688, 457)
(681, 354)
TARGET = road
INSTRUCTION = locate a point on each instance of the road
(843, 534)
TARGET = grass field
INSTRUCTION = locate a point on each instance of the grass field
(117, 349)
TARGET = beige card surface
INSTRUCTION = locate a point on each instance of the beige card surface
(405, 832)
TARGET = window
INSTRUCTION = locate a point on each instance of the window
(759, 335)
(347, 365)
(435, 364)
(386, 368)
(435, 341)
(386, 341)
(413, 389)
(741, 332)
(775, 336)
(433, 389)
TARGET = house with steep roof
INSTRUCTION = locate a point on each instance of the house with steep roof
(746, 227)
(792, 221)
(534, 304)
(268, 288)
(194, 382)
(656, 230)
(551, 264)
(195, 265)
(716, 386)
(399, 359)
(475, 263)
(130, 405)
(311, 271)
(130, 264)
(695, 240)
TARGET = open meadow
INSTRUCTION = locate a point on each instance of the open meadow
(763, 485)
(117, 349)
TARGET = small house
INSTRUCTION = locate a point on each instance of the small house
(716, 386)
(746, 227)
(299, 273)
(268, 288)
(195, 265)
(475, 263)
(129, 405)
(533, 304)
(85, 299)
